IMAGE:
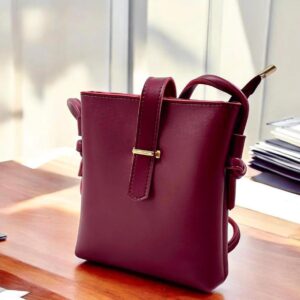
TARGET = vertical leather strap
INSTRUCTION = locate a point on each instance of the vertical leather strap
(155, 89)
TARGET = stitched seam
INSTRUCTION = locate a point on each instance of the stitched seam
(157, 116)
(151, 161)
(136, 142)
(107, 98)
(100, 98)
(131, 178)
(141, 114)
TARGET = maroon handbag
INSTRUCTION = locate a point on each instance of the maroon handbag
(158, 178)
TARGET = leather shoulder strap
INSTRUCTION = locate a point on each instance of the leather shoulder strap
(235, 236)
(225, 86)
(145, 151)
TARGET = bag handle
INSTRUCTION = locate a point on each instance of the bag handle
(225, 86)
(229, 88)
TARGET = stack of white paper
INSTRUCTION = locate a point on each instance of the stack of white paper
(281, 155)
(11, 294)
(290, 134)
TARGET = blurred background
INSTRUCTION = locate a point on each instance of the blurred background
(52, 50)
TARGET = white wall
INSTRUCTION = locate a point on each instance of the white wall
(282, 98)
(10, 114)
(51, 50)
(173, 41)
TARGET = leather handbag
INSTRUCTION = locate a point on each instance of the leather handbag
(158, 178)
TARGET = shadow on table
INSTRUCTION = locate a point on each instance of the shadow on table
(131, 285)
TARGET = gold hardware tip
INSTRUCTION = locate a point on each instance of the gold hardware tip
(267, 71)
(156, 153)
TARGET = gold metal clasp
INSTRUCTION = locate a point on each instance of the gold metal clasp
(267, 71)
(156, 153)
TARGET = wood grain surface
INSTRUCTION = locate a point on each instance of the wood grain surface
(39, 210)
(13, 282)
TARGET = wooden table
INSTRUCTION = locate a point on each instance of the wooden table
(39, 210)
